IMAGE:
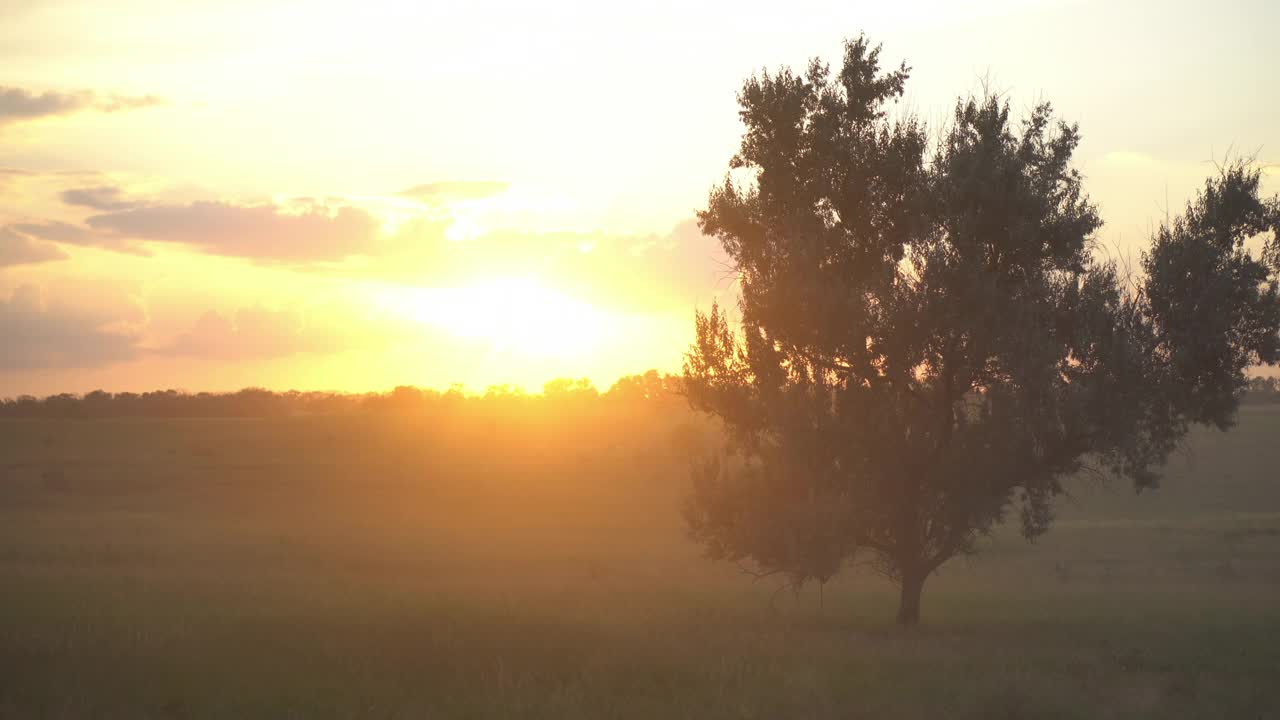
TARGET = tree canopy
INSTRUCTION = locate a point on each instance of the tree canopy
(931, 340)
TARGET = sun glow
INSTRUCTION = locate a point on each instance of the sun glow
(463, 229)
(517, 315)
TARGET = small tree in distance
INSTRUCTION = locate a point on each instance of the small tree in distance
(929, 341)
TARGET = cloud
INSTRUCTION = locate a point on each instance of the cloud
(56, 231)
(64, 232)
(38, 334)
(257, 333)
(456, 190)
(263, 232)
(260, 333)
(12, 176)
(106, 197)
(18, 249)
(116, 102)
(18, 105)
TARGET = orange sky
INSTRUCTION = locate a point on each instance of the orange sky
(211, 195)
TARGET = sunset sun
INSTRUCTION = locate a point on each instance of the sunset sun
(571, 359)
(510, 186)
(517, 316)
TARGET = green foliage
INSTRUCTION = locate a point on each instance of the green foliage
(929, 339)
(1212, 302)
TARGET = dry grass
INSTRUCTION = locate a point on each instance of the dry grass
(328, 568)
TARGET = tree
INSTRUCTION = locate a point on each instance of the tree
(650, 386)
(569, 389)
(930, 339)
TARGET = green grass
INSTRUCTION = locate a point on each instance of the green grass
(337, 568)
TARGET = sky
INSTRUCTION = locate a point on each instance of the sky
(352, 196)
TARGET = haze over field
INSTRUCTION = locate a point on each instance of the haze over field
(391, 563)
(212, 195)
(722, 360)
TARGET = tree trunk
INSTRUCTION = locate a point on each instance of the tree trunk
(909, 600)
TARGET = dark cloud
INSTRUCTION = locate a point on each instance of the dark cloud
(457, 190)
(264, 232)
(252, 333)
(18, 249)
(40, 335)
(17, 104)
(105, 197)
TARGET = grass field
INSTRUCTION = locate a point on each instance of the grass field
(344, 567)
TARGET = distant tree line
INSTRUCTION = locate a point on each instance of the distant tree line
(651, 388)
(1262, 390)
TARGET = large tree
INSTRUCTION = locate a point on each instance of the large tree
(930, 339)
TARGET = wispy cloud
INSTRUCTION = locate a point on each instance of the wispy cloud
(104, 197)
(63, 232)
(116, 102)
(19, 249)
(56, 231)
(20, 105)
(455, 190)
(17, 104)
(262, 232)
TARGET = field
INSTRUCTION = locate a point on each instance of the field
(411, 567)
